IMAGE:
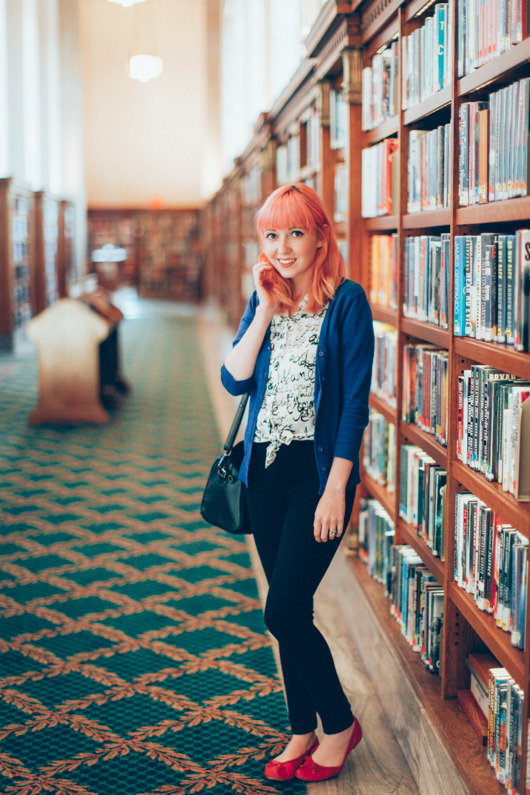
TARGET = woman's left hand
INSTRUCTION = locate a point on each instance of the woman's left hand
(329, 515)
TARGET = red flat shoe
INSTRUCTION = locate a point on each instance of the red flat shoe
(283, 771)
(310, 770)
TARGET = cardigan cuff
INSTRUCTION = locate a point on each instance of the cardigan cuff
(233, 386)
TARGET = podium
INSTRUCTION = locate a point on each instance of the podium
(68, 336)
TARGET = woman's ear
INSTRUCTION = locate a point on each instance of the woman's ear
(322, 235)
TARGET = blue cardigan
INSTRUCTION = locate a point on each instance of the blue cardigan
(343, 374)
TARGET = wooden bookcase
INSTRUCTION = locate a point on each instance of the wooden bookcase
(163, 255)
(344, 39)
(46, 286)
(17, 260)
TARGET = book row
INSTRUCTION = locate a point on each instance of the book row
(384, 270)
(505, 729)
(376, 531)
(379, 446)
(491, 563)
(380, 184)
(493, 427)
(417, 604)
(426, 278)
(429, 169)
(486, 29)
(426, 58)
(384, 373)
(422, 496)
(493, 155)
(425, 389)
(380, 87)
(492, 287)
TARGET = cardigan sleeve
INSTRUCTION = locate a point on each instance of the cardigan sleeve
(357, 343)
(227, 379)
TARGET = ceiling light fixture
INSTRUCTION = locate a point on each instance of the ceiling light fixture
(126, 3)
(144, 62)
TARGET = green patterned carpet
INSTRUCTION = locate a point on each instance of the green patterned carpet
(133, 654)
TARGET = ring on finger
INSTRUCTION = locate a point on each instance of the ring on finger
(332, 533)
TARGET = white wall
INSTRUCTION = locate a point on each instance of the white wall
(262, 47)
(40, 113)
(148, 143)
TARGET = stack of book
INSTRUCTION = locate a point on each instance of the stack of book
(429, 186)
(491, 563)
(383, 270)
(492, 287)
(493, 156)
(379, 445)
(422, 496)
(417, 604)
(425, 389)
(380, 87)
(376, 532)
(380, 184)
(384, 374)
(493, 427)
(426, 278)
(427, 57)
(485, 30)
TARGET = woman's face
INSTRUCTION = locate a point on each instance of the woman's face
(292, 253)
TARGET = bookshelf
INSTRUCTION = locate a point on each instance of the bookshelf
(343, 42)
(17, 260)
(162, 253)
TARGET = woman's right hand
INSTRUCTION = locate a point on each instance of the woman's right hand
(263, 272)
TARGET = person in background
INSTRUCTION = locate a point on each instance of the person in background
(304, 350)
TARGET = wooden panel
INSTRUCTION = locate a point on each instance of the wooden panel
(409, 536)
(382, 407)
(425, 331)
(496, 70)
(427, 219)
(495, 212)
(508, 508)
(430, 105)
(384, 223)
(426, 441)
(503, 357)
(385, 315)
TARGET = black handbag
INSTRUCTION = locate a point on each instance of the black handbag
(223, 501)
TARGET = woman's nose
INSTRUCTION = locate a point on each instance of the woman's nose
(284, 246)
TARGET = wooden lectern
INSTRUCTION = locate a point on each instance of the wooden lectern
(68, 335)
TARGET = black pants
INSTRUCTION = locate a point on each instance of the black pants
(282, 500)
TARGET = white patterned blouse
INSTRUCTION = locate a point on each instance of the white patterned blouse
(288, 411)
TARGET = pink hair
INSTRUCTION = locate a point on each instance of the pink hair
(299, 205)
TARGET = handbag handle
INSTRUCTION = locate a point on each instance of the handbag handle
(232, 433)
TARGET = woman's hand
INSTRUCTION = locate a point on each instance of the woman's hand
(263, 272)
(329, 515)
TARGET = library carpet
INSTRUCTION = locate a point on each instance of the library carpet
(133, 655)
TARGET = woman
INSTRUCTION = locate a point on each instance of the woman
(304, 349)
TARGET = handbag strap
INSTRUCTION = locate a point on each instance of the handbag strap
(232, 433)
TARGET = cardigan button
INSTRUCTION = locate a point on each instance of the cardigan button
(321, 353)
(323, 469)
(319, 449)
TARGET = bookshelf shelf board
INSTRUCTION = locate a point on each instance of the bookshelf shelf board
(382, 407)
(498, 642)
(382, 223)
(504, 504)
(409, 535)
(495, 71)
(414, 435)
(381, 494)
(307, 172)
(425, 331)
(340, 229)
(435, 102)
(427, 219)
(384, 130)
(495, 212)
(503, 357)
(446, 715)
(385, 315)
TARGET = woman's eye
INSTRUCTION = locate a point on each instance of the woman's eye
(297, 233)
(270, 236)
